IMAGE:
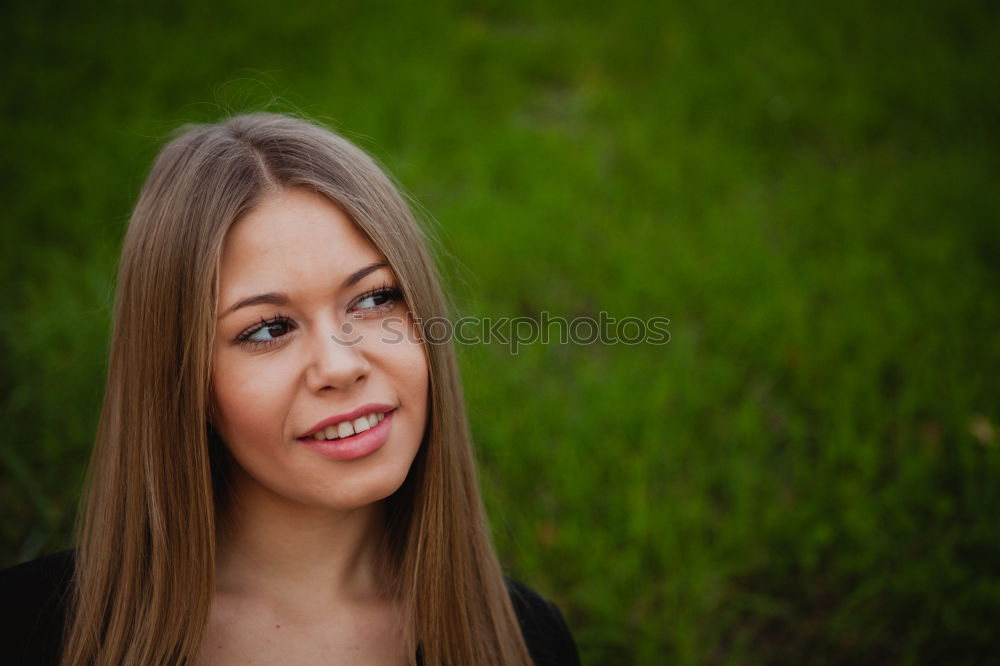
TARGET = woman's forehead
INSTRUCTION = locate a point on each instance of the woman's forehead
(292, 240)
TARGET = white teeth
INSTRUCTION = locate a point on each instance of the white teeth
(348, 428)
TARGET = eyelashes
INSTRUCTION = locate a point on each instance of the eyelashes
(247, 339)
(372, 302)
(382, 298)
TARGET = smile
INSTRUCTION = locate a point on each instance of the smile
(348, 428)
(352, 439)
(360, 419)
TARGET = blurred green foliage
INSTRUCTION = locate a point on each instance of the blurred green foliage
(808, 473)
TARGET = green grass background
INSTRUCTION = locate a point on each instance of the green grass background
(808, 473)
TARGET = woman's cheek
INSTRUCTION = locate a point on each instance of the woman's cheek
(249, 406)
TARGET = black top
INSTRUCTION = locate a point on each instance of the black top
(33, 599)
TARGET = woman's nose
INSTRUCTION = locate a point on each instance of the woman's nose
(336, 359)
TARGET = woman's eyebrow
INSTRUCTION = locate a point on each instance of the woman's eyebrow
(358, 275)
(277, 298)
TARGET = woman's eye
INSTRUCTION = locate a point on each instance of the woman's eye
(275, 330)
(378, 299)
(266, 332)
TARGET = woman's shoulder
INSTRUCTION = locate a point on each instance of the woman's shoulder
(33, 599)
(545, 632)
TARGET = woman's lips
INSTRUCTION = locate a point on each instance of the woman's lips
(355, 446)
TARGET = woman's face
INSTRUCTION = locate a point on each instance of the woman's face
(312, 334)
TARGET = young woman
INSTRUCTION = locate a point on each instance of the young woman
(282, 472)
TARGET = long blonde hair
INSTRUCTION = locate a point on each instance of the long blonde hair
(147, 532)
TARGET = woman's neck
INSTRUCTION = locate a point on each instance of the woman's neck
(273, 548)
